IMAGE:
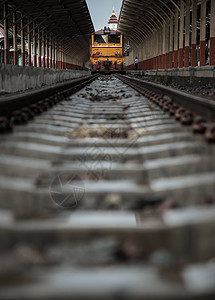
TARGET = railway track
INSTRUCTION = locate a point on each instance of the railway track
(105, 196)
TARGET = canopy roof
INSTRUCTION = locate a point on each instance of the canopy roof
(68, 20)
(140, 18)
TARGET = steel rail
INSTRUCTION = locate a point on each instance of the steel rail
(199, 105)
(10, 103)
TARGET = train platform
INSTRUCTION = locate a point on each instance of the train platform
(17, 79)
(195, 75)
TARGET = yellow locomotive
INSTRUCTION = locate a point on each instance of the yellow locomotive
(107, 48)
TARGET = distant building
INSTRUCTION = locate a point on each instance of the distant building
(113, 21)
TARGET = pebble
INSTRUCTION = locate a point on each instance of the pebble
(113, 201)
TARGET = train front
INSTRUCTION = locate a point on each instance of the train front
(107, 49)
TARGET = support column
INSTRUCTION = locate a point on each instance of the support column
(64, 60)
(194, 33)
(39, 48)
(6, 37)
(181, 35)
(15, 52)
(164, 45)
(47, 50)
(157, 50)
(212, 34)
(160, 50)
(61, 57)
(176, 40)
(53, 52)
(171, 46)
(50, 51)
(203, 32)
(187, 35)
(154, 42)
(29, 46)
(44, 49)
(154, 53)
(167, 47)
(62, 54)
(34, 45)
(22, 42)
(56, 54)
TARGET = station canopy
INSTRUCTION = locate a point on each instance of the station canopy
(68, 20)
(140, 18)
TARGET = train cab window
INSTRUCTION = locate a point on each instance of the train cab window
(100, 39)
(114, 39)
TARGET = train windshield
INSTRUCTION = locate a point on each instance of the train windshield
(100, 39)
(114, 39)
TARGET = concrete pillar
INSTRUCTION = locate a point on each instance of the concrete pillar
(15, 52)
(187, 35)
(53, 52)
(181, 35)
(140, 52)
(160, 50)
(167, 46)
(163, 45)
(6, 37)
(157, 50)
(56, 54)
(39, 48)
(203, 32)
(29, 46)
(154, 52)
(154, 42)
(194, 33)
(171, 45)
(212, 34)
(47, 50)
(61, 57)
(44, 49)
(34, 45)
(22, 42)
(176, 40)
(64, 60)
(50, 51)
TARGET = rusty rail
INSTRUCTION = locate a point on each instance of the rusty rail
(11, 103)
(188, 109)
(201, 106)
